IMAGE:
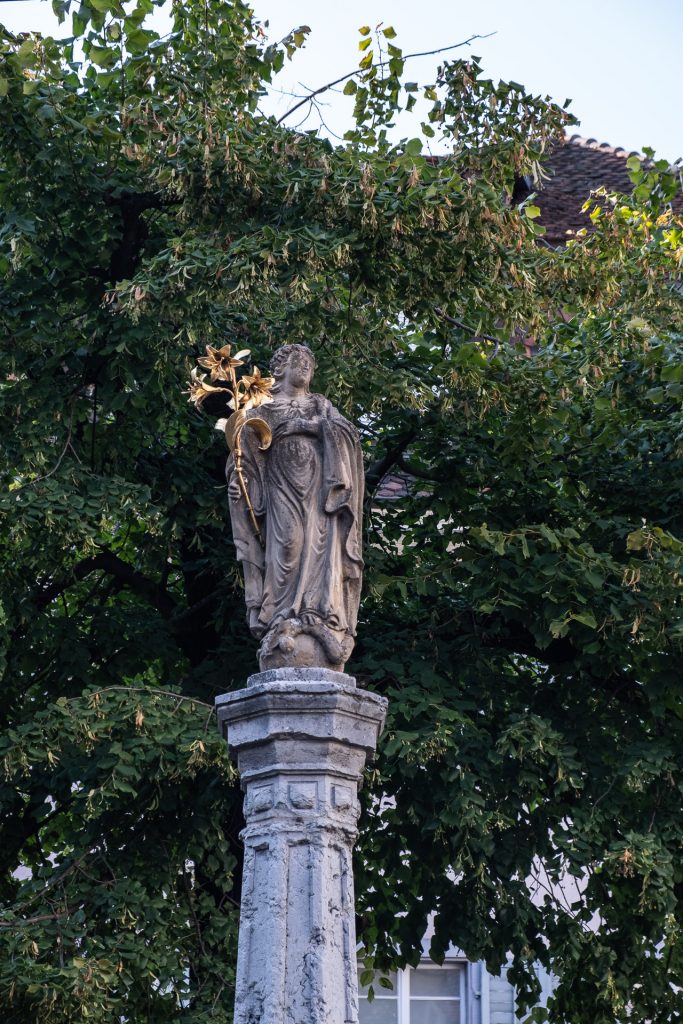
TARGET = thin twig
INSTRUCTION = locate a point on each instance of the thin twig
(45, 476)
(465, 327)
(218, 995)
(318, 110)
(94, 428)
(380, 64)
(37, 919)
(198, 929)
(306, 116)
(148, 690)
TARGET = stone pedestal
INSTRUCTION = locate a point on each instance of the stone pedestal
(301, 738)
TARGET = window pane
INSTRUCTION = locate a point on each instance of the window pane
(432, 1011)
(380, 990)
(379, 1011)
(442, 981)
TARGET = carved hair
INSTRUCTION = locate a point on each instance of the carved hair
(282, 356)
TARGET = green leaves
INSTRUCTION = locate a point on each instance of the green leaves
(523, 552)
(103, 56)
(138, 40)
(525, 647)
(134, 757)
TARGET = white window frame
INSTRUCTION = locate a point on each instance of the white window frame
(402, 994)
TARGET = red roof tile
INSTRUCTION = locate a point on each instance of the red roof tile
(576, 167)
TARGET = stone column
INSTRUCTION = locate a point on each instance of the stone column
(301, 738)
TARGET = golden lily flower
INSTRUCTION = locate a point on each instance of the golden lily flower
(256, 388)
(199, 389)
(219, 361)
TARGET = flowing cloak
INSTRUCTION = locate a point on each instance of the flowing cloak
(307, 493)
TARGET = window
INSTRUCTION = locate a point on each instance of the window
(384, 1007)
(427, 995)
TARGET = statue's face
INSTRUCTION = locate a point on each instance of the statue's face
(298, 370)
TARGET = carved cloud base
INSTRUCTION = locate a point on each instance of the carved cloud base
(292, 643)
(301, 738)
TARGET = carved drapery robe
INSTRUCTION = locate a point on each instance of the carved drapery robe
(307, 494)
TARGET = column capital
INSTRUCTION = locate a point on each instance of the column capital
(300, 720)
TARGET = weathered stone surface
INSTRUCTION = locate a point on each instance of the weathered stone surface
(313, 677)
(301, 738)
(303, 587)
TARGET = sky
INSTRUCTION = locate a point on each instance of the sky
(618, 60)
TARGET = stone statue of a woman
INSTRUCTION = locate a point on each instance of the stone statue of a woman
(303, 574)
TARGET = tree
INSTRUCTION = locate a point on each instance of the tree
(523, 602)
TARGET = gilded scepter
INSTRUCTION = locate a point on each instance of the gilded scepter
(247, 391)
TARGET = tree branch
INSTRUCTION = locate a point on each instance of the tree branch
(134, 232)
(107, 561)
(51, 472)
(150, 691)
(185, 620)
(420, 474)
(380, 64)
(378, 469)
(37, 919)
(470, 330)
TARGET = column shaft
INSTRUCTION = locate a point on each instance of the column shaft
(301, 738)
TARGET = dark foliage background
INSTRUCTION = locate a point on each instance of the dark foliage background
(522, 606)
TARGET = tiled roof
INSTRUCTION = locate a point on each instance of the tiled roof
(577, 166)
(394, 485)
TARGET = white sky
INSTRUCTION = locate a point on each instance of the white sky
(619, 60)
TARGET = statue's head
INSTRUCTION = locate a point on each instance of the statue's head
(297, 360)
